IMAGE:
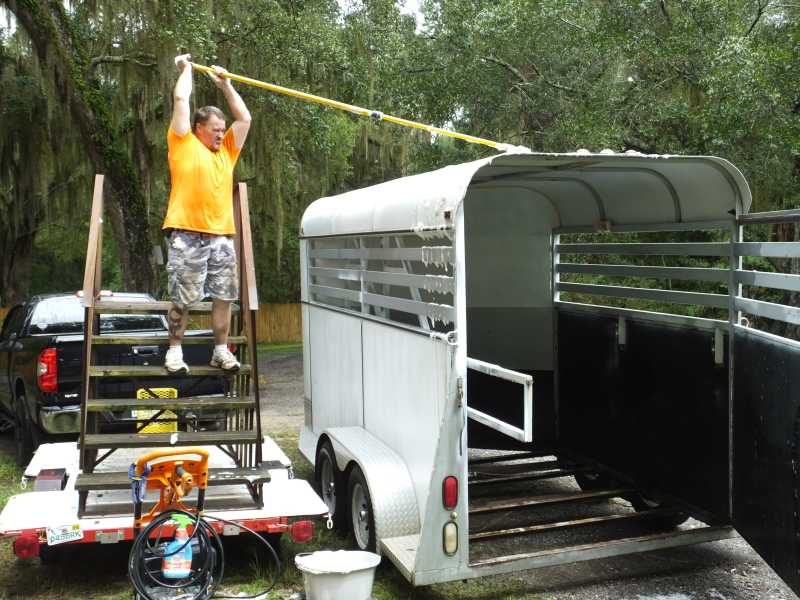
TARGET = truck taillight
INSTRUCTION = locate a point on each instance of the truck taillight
(450, 492)
(47, 370)
(302, 531)
(232, 348)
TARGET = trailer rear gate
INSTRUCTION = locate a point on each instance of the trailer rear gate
(501, 291)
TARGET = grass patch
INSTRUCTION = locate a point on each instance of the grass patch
(280, 346)
(99, 572)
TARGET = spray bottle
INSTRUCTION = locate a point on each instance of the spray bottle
(177, 562)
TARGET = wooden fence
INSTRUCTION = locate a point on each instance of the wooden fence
(274, 322)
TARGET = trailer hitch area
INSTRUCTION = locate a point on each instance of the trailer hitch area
(174, 473)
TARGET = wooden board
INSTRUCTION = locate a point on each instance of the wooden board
(216, 476)
(181, 438)
(160, 371)
(106, 306)
(190, 402)
(140, 340)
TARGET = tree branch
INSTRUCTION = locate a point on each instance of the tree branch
(123, 58)
(523, 80)
(759, 14)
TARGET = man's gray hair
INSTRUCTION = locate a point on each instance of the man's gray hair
(201, 115)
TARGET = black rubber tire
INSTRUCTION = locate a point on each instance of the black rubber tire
(362, 516)
(331, 486)
(641, 502)
(23, 438)
(594, 482)
(50, 555)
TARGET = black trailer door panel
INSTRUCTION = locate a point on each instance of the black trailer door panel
(766, 449)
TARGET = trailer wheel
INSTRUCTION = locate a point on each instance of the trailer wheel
(362, 516)
(23, 434)
(641, 502)
(594, 482)
(330, 483)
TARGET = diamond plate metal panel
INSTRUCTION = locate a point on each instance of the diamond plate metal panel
(390, 487)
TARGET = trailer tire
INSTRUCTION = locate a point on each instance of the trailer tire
(595, 482)
(23, 433)
(331, 486)
(362, 516)
(641, 502)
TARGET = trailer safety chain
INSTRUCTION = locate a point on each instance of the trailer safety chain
(375, 115)
(329, 522)
(203, 582)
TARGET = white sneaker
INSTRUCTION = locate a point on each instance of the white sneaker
(225, 360)
(174, 363)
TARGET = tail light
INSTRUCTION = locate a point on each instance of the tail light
(450, 492)
(26, 546)
(301, 531)
(232, 348)
(47, 370)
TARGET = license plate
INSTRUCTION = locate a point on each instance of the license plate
(64, 533)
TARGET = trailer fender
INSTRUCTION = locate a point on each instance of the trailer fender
(394, 502)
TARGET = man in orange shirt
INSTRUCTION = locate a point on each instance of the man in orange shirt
(199, 221)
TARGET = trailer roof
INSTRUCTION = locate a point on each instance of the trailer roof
(582, 188)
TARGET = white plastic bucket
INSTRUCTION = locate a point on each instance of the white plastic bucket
(338, 575)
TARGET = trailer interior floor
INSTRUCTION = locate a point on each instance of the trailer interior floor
(528, 506)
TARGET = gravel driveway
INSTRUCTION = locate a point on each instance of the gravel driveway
(728, 570)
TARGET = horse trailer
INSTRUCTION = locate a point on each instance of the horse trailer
(535, 359)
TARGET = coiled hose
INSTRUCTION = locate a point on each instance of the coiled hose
(208, 564)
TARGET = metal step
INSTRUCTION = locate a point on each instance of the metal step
(178, 438)
(190, 402)
(506, 504)
(106, 307)
(140, 340)
(216, 476)
(618, 547)
(160, 371)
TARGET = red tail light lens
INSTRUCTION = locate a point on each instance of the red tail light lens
(47, 370)
(302, 531)
(232, 348)
(26, 546)
(450, 492)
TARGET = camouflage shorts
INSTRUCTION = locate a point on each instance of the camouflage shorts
(201, 265)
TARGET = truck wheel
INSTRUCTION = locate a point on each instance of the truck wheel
(362, 516)
(330, 484)
(22, 433)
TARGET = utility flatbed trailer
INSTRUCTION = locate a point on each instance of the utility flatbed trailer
(46, 520)
(488, 349)
(249, 479)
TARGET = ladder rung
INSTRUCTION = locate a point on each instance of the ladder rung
(216, 476)
(140, 340)
(189, 402)
(106, 306)
(160, 371)
(178, 438)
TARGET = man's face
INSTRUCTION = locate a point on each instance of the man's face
(211, 133)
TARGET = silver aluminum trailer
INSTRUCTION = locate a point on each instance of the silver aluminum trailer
(459, 358)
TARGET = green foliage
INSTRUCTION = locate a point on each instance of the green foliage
(665, 77)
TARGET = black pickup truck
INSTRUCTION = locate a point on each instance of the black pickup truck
(41, 350)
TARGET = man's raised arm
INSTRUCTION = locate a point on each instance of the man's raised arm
(241, 116)
(181, 119)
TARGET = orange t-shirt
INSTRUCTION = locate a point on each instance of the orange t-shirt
(201, 198)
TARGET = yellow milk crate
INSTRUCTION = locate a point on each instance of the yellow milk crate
(167, 422)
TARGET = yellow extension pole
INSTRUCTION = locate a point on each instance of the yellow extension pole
(357, 110)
